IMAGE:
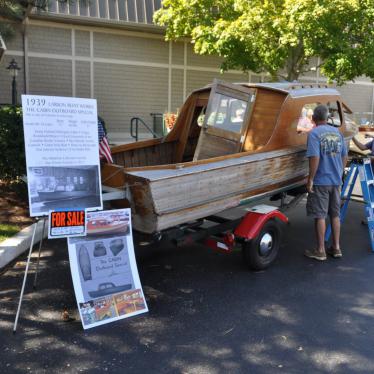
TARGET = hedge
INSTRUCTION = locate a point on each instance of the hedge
(12, 148)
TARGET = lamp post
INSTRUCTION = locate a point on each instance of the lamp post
(13, 71)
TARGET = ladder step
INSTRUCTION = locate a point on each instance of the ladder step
(370, 181)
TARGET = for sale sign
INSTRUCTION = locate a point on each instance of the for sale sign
(66, 223)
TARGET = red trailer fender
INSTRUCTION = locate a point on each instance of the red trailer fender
(252, 223)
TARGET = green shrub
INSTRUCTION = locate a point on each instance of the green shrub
(12, 159)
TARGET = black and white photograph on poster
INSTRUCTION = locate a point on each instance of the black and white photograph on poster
(104, 271)
(55, 187)
(62, 153)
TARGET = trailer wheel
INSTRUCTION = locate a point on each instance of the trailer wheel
(260, 252)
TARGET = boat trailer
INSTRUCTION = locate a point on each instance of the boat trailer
(258, 232)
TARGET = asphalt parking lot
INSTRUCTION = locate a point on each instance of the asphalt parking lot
(208, 313)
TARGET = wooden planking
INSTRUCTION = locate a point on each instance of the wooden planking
(170, 201)
(186, 215)
(112, 175)
(263, 119)
(170, 171)
(140, 144)
(197, 188)
(154, 154)
(210, 146)
(190, 118)
(151, 222)
(190, 149)
(118, 159)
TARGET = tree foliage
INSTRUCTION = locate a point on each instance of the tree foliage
(279, 37)
(12, 161)
(14, 11)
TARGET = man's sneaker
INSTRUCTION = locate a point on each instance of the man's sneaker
(316, 255)
(336, 253)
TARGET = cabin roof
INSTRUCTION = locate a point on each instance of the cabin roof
(295, 89)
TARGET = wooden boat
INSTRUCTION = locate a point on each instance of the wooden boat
(63, 192)
(105, 227)
(109, 288)
(231, 142)
(85, 263)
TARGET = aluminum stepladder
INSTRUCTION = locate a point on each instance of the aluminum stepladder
(358, 167)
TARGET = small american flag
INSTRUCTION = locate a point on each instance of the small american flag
(104, 149)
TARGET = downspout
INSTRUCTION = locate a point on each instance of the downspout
(25, 23)
(24, 30)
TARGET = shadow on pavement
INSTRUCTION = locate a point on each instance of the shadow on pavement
(208, 314)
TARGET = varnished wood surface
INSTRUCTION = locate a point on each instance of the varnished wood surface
(264, 119)
(210, 146)
(154, 174)
(154, 154)
(178, 191)
(186, 194)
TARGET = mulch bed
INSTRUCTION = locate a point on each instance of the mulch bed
(14, 206)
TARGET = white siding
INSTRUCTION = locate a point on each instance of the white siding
(176, 89)
(49, 40)
(82, 76)
(358, 97)
(50, 77)
(82, 43)
(205, 61)
(177, 53)
(130, 48)
(125, 91)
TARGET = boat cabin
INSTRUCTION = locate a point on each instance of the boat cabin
(225, 119)
(227, 141)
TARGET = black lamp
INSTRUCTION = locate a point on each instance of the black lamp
(13, 71)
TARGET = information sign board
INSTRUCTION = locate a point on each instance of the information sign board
(62, 153)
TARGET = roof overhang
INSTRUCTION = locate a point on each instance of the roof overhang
(97, 22)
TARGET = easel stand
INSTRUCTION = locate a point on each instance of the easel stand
(359, 167)
(27, 269)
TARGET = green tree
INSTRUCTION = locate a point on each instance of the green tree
(279, 37)
(15, 11)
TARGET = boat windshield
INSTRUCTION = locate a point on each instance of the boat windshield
(226, 112)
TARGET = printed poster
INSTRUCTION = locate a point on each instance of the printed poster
(104, 271)
(62, 153)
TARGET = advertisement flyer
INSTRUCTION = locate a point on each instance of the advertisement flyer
(62, 153)
(103, 267)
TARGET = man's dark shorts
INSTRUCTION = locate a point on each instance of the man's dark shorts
(324, 201)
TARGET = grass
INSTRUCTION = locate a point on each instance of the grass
(6, 231)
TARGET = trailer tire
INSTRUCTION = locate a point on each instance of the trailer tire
(260, 252)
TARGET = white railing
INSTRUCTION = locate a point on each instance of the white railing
(138, 11)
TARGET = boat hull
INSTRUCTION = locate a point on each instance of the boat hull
(163, 198)
(62, 195)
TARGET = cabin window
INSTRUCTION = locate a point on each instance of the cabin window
(226, 113)
(350, 123)
(305, 122)
(334, 114)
